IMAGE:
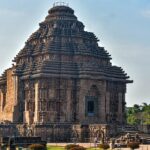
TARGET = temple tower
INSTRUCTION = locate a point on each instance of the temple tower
(62, 75)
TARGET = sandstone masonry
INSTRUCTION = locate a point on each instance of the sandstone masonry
(63, 77)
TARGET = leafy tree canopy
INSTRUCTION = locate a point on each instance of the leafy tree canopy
(138, 114)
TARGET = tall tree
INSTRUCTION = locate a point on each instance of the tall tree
(139, 114)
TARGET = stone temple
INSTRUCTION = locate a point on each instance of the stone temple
(62, 79)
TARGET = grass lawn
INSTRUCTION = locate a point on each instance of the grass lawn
(62, 148)
(55, 148)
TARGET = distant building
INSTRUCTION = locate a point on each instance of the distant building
(62, 77)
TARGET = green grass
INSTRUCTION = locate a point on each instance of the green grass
(55, 148)
(93, 149)
(62, 148)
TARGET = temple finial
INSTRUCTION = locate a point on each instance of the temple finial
(59, 3)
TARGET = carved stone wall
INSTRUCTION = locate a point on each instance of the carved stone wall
(62, 76)
(115, 102)
(64, 100)
(99, 92)
(58, 132)
(8, 97)
(51, 100)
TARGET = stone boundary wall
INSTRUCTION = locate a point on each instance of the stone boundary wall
(51, 132)
(59, 132)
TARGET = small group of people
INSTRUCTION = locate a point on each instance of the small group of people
(124, 140)
(120, 142)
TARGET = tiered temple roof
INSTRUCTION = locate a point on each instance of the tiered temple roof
(61, 47)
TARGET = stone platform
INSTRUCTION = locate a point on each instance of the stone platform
(58, 132)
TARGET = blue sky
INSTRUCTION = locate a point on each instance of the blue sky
(123, 27)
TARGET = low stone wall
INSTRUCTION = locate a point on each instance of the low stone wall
(144, 128)
(21, 141)
(49, 132)
(53, 132)
(59, 132)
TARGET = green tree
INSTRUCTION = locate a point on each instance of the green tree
(138, 114)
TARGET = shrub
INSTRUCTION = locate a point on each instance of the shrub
(103, 146)
(37, 147)
(133, 145)
(68, 147)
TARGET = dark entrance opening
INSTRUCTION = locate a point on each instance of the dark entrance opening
(90, 108)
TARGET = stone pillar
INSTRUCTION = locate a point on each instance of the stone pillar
(69, 102)
(26, 106)
(16, 102)
(107, 106)
(15, 90)
(1, 100)
(123, 108)
(120, 107)
(102, 101)
(82, 93)
(36, 102)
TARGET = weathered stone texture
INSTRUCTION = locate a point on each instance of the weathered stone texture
(7, 109)
(63, 76)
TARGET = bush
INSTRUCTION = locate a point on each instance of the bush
(74, 147)
(37, 147)
(68, 147)
(133, 145)
(103, 146)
